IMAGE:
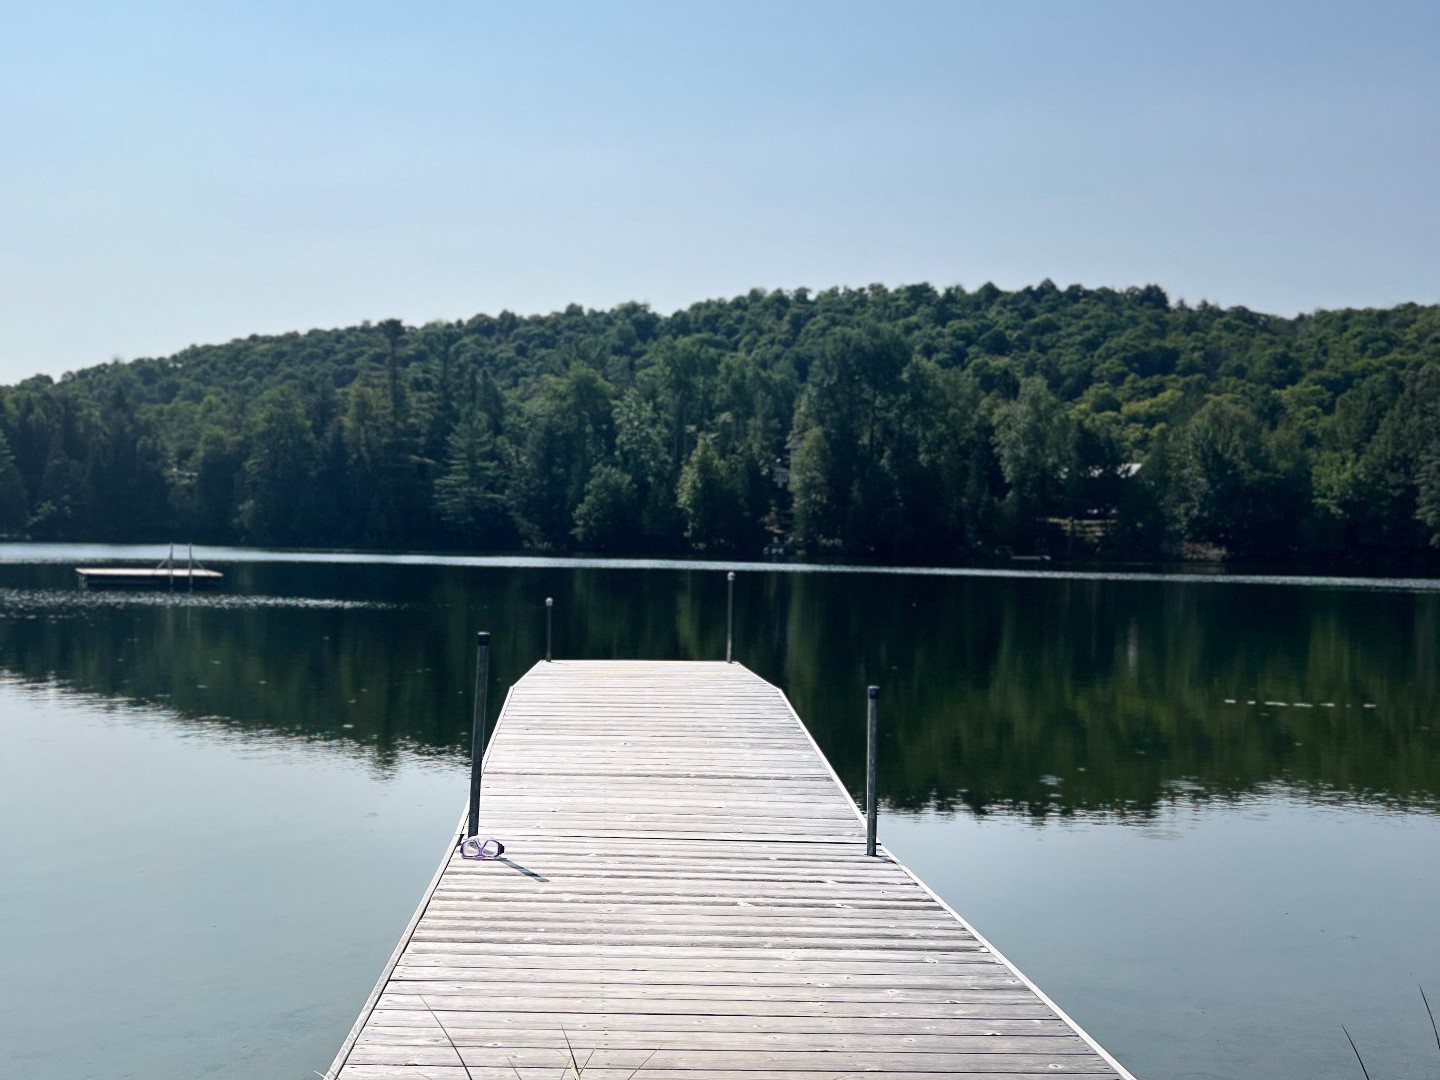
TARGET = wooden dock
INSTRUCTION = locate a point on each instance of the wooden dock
(685, 893)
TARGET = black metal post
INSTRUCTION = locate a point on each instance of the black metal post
(477, 737)
(872, 695)
(730, 617)
(549, 607)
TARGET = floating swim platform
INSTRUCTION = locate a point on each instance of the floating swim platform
(121, 577)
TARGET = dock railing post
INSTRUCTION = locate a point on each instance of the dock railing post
(872, 695)
(549, 607)
(730, 617)
(477, 736)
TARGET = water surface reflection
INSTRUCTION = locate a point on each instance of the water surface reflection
(273, 767)
(1044, 697)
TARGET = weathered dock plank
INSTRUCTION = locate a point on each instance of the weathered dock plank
(685, 892)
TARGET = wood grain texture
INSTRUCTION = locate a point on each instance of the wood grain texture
(685, 891)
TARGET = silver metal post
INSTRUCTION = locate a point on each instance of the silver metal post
(549, 607)
(477, 736)
(872, 695)
(730, 617)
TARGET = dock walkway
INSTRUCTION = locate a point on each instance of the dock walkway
(685, 892)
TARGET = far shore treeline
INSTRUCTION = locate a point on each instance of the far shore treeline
(906, 425)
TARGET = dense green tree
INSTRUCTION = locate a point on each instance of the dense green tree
(1221, 474)
(955, 513)
(393, 330)
(14, 505)
(847, 424)
(566, 430)
(468, 493)
(1034, 441)
(607, 518)
(889, 424)
(643, 452)
(131, 492)
(218, 466)
(717, 496)
(278, 474)
(1238, 486)
(1391, 469)
(1427, 503)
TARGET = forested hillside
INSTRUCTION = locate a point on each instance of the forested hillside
(906, 425)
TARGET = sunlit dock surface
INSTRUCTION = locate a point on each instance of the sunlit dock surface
(163, 577)
(685, 892)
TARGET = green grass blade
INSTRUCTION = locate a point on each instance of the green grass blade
(1357, 1053)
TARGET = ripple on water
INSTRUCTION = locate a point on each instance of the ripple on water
(28, 603)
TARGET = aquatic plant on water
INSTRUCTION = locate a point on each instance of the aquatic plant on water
(1433, 1029)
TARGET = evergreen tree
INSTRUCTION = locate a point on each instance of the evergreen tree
(467, 493)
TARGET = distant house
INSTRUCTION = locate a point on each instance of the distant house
(1123, 471)
(780, 469)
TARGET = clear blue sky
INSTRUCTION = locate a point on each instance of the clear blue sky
(176, 173)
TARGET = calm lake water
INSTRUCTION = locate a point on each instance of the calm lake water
(1202, 813)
